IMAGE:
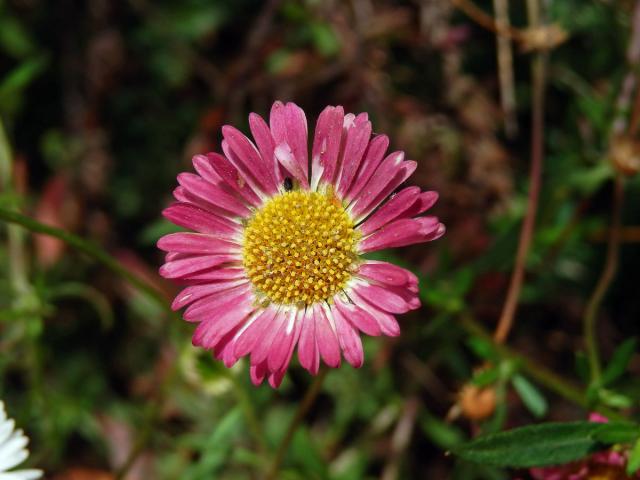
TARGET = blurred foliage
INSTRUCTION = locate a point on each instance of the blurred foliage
(106, 101)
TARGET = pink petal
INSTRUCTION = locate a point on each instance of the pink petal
(224, 349)
(289, 126)
(400, 233)
(356, 142)
(326, 338)
(284, 155)
(212, 194)
(254, 332)
(284, 344)
(263, 347)
(359, 318)
(349, 340)
(383, 298)
(211, 305)
(372, 159)
(402, 205)
(232, 178)
(187, 197)
(396, 206)
(194, 218)
(257, 373)
(275, 378)
(249, 157)
(183, 267)
(387, 273)
(388, 323)
(245, 173)
(266, 146)
(308, 353)
(391, 173)
(217, 273)
(326, 145)
(203, 166)
(196, 292)
(210, 331)
(184, 242)
(171, 256)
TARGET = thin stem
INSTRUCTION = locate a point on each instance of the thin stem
(89, 248)
(17, 260)
(607, 276)
(303, 408)
(505, 69)
(538, 74)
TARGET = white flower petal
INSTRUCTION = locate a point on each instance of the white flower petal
(30, 474)
(6, 428)
(16, 442)
(14, 459)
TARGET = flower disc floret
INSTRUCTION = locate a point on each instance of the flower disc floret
(300, 248)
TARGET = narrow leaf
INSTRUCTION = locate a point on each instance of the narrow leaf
(616, 432)
(531, 396)
(534, 445)
(619, 361)
(486, 377)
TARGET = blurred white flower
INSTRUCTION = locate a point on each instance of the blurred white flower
(13, 451)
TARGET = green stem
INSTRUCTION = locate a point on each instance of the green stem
(303, 408)
(607, 276)
(535, 370)
(90, 249)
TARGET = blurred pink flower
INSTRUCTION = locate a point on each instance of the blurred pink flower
(276, 260)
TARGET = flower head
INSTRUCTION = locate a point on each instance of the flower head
(13, 450)
(274, 261)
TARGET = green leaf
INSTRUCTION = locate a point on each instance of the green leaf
(18, 79)
(531, 396)
(441, 433)
(616, 432)
(633, 464)
(304, 453)
(15, 39)
(533, 445)
(482, 348)
(613, 399)
(325, 39)
(619, 361)
(486, 377)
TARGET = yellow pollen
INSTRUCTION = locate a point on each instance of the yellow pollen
(300, 248)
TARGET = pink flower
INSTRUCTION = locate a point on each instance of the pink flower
(275, 258)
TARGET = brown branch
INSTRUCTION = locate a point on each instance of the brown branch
(538, 74)
(486, 21)
(505, 69)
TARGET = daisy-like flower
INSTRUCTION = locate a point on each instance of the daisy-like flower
(275, 259)
(13, 450)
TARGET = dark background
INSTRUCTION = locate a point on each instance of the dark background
(106, 101)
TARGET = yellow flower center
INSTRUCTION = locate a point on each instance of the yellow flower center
(300, 248)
